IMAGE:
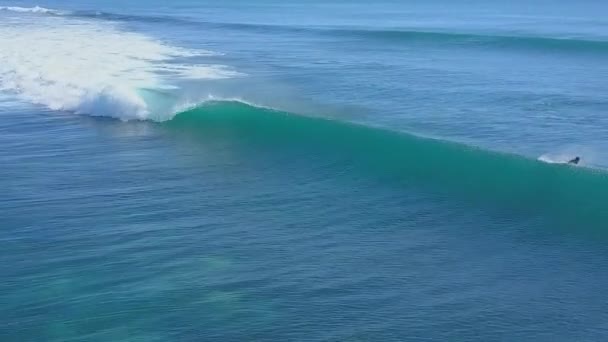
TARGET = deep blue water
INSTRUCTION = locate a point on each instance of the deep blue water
(306, 171)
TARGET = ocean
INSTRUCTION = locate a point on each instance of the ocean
(303, 170)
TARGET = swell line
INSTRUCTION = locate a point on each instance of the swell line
(565, 44)
(392, 35)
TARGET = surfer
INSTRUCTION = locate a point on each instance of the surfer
(575, 161)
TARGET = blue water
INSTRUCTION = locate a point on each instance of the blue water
(306, 171)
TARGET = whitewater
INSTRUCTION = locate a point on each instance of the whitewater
(94, 68)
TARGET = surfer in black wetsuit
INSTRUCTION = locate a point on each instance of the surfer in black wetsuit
(575, 161)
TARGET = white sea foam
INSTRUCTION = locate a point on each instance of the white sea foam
(93, 68)
(35, 9)
(555, 159)
(588, 157)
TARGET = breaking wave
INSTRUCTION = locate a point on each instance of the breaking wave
(95, 68)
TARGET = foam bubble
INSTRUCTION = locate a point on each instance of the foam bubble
(92, 67)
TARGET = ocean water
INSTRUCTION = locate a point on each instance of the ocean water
(303, 170)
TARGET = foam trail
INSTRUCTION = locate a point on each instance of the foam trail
(555, 159)
(93, 68)
(565, 154)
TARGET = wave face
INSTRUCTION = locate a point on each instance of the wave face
(571, 197)
(94, 68)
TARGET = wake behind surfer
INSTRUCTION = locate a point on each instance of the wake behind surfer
(574, 161)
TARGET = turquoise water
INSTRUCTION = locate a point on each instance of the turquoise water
(319, 171)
